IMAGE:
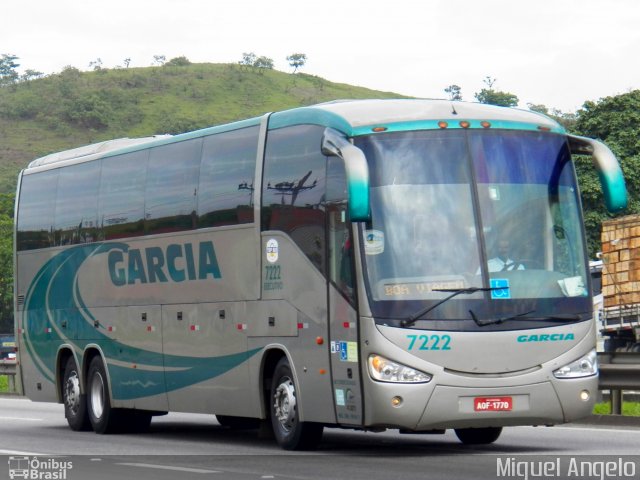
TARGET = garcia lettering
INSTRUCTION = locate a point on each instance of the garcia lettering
(178, 263)
(554, 337)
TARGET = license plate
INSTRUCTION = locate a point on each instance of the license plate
(492, 404)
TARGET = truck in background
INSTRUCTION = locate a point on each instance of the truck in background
(620, 317)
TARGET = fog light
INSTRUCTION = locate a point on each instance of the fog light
(396, 401)
(584, 395)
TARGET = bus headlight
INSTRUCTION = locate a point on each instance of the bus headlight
(583, 367)
(385, 370)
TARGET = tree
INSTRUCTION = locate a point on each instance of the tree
(178, 62)
(538, 108)
(297, 60)
(6, 263)
(30, 75)
(248, 59)
(265, 63)
(454, 92)
(251, 60)
(495, 97)
(8, 69)
(126, 62)
(615, 121)
(96, 64)
(567, 120)
(159, 60)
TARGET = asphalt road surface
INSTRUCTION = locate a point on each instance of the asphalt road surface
(185, 446)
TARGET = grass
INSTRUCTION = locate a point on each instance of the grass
(631, 409)
(4, 384)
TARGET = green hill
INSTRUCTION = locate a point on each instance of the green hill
(76, 108)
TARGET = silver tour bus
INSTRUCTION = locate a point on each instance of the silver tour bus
(407, 264)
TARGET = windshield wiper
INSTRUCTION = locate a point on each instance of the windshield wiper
(550, 318)
(496, 321)
(455, 292)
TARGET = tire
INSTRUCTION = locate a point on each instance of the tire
(103, 418)
(238, 423)
(289, 431)
(478, 436)
(75, 403)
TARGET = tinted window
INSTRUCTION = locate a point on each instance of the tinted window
(121, 202)
(36, 208)
(172, 183)
(226, 178)
(77, 204)
(293, 188)
(339, 230)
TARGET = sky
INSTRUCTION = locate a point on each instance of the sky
(559, 53)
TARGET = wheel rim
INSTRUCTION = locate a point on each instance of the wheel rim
(97, 395)
(284, 404)
(72, 393)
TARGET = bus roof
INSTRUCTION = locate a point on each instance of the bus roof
(358, 117)
(352, 117)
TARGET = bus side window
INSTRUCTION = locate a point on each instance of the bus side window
(121, 198)
(339, 230)
(76, 207)
(37, 202)
(225, 192)
(293, 188)
(171, 187)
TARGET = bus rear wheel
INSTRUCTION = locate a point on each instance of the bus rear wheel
(478, 436)
(290, 432)
(75, 403)
(104, 419)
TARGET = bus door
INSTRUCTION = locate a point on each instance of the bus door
(343, 316)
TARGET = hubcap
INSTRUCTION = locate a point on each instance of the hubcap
(284, 404)
(97, 395)
(72, 393)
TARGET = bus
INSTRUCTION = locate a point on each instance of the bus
(325, 266)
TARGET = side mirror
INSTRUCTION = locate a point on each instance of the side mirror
(336, 144)
(608, 168)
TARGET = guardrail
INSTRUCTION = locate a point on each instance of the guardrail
(9, 368)
(619, 371)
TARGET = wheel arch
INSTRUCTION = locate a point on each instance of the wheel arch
(272, 355)
(64, 353)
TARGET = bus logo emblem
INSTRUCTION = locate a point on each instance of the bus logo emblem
(272, 250)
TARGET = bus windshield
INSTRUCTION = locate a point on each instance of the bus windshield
(496, 210)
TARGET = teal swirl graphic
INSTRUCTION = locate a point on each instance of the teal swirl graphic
(55, 313)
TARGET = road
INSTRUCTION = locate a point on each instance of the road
(188, 446)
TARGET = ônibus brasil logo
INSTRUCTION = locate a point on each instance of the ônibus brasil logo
(38, 469)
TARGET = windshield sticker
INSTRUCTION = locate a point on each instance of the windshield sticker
(573, 287)
(348, 350)
(272, 250)
(502, 290)
(373, 242)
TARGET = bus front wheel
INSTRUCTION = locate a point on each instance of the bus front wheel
(290, 432)
(478, 436)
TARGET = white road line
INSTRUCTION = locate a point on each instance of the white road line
(168, 467)
(25, 419)
(25, 454)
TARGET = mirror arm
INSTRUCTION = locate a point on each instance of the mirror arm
(608, 168)
(336, 144)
